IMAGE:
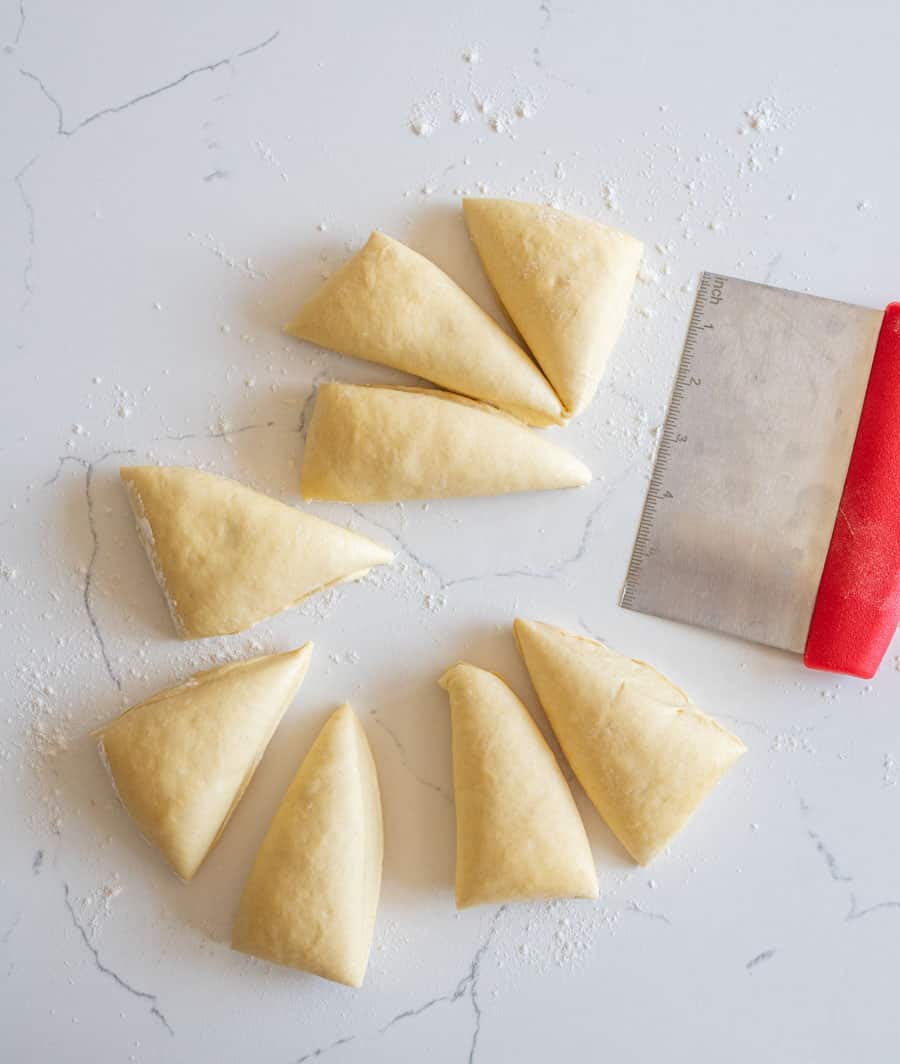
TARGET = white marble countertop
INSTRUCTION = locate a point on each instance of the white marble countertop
(176, 177)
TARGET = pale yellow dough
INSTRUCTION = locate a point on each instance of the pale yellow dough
(371, 444)
(641, 749)
(518, 832)
(226, 556)
(389, 304)
(311, 897)
(565, 282)
(181, 761)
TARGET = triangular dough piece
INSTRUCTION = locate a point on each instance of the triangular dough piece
(374, 444)
(641, 749)
(181, 761)
(226, 556)
(389, 304)
(519, 835)
(311, 897)
(565, 281)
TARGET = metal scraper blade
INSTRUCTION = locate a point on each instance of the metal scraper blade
(752, 461)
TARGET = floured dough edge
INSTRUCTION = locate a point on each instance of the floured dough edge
(104, 760)
(145, 535)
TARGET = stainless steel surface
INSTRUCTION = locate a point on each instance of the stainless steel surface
(752, 461)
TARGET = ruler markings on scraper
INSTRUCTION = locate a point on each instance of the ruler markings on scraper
(709, 290)
(774, 392)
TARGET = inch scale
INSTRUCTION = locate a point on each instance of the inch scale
(708, 291)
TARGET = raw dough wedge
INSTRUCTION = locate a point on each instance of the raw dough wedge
(181, 761)
(375, 444)
(389, 304)
(519, 835)
(226, 556)
(641, 749)
(311, 897)
(565, 282)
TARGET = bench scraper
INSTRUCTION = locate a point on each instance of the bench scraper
(773, 511)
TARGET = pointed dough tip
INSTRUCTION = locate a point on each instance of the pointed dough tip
(519, 834)
(301, 655)
(444, 680)
(311, 896)
(564, 280)
(586, 475)
(391, 305)
(376, 443)
(344, 712)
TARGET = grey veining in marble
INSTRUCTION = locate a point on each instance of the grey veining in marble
(176, 179)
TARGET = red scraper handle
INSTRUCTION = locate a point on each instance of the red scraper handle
(858, 605)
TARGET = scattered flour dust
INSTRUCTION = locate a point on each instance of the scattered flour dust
(889, 771)
(763, 118)
(391, 940)
(348, 657)
(47, 741)
(425, 115)
(792, 742)
(95, 908)
(647, 274)
(610, 195)
(463, 99)
(410, 581)
(246, 266)
(125, 403)
(320, 606)
(434, 602)
(268, 156)
(562, 935)
(407, 577)
(764, 115)
(461, 115)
